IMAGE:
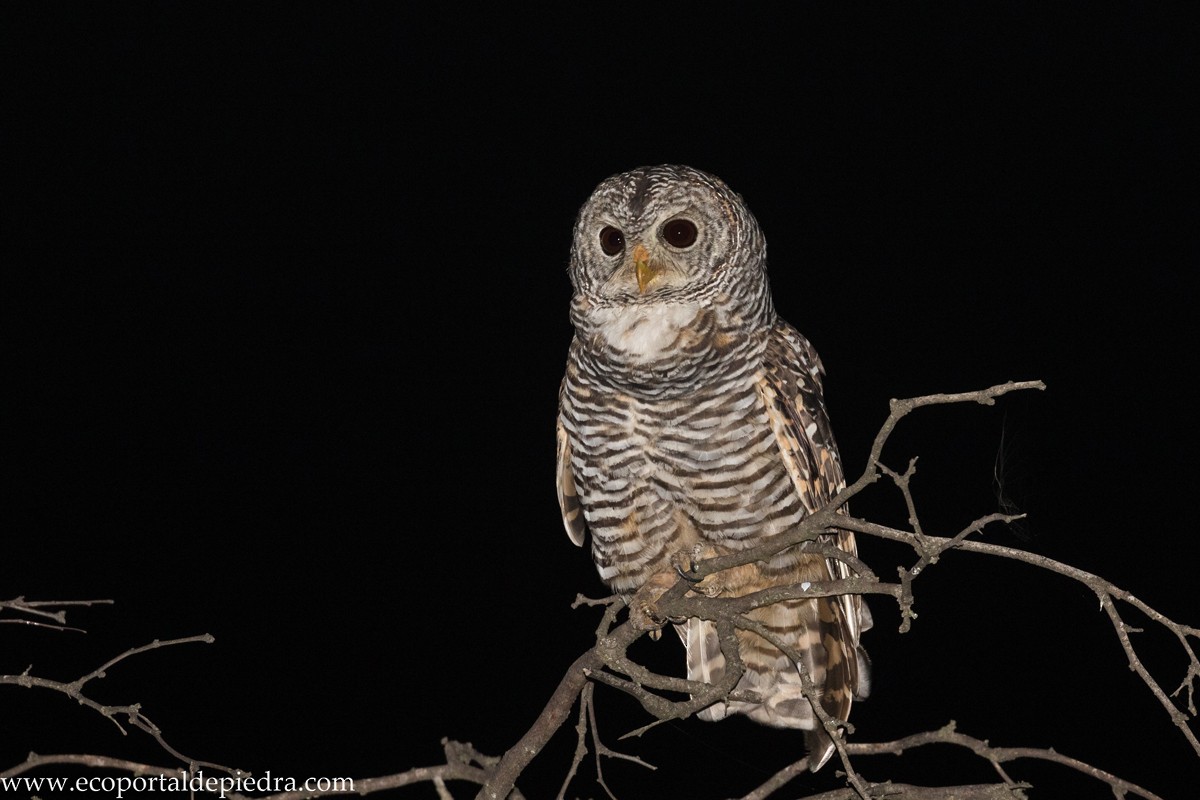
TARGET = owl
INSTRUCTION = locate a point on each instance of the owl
(692, 420)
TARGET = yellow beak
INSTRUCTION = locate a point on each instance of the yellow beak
(646, 271)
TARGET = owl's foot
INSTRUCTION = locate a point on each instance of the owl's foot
(643, 606)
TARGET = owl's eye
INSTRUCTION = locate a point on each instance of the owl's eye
(612, 241)
(680, 233)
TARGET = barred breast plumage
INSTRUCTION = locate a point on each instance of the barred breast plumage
(690, 415)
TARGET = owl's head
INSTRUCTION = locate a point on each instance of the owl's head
(666, 234)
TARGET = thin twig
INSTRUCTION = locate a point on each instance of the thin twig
(580, 744)
(132, 712)
(997, 755)
(40, 609)
(599, 746)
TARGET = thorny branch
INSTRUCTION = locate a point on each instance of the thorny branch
(608, 662)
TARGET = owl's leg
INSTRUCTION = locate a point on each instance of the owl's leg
(643, 608)
(726, 581)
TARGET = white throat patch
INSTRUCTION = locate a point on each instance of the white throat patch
(645, 331)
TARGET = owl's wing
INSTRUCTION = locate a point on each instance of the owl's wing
(791, 384)
(791, 389)
(568, 499)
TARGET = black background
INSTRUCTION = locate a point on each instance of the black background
(288, 311)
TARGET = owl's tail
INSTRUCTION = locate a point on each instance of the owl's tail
(813, 628)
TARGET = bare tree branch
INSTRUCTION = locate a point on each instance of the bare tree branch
(601, 749)
(904, 791)
(364, 786)
(40, 610)
(580, 747)
(1105, 591)
(132, 712)
(36, 761)
(997, 755)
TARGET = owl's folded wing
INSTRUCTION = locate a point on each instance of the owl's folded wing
(568, 499)
(790, 387)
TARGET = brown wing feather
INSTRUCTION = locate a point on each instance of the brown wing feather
(568, 499)
(791, 389)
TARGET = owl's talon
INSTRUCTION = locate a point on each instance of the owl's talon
(644, 617)
(685, 562)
